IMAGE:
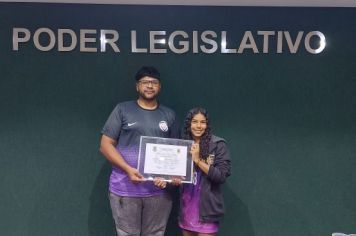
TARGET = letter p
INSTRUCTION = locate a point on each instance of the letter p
(19, 35)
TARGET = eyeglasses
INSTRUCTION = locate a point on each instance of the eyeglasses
(154, 83)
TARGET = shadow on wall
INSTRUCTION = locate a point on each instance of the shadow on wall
(237, 221)
(100, 221)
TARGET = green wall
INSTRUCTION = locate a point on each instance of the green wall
(289, 119)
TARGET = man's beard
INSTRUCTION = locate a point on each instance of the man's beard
(150, 99)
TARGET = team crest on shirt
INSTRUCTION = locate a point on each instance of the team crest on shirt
(163, 126)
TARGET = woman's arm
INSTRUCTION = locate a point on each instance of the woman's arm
(221, 167)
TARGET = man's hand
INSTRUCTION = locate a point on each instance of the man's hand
(135, 176)
(176, 181)
(159, 182)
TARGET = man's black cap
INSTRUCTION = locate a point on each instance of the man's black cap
(148, 71)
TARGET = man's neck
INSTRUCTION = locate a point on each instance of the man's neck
(147, 104)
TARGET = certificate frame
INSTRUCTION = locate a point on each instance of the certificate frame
(166, 158)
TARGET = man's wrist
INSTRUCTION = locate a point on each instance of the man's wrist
(128, 169)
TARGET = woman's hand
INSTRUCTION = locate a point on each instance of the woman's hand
(195, 152)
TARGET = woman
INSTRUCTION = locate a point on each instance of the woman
(202, 202)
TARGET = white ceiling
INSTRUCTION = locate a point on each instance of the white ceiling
(295, 3)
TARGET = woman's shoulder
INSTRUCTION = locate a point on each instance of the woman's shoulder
(216, 139)
(218, 147)
(217, 142)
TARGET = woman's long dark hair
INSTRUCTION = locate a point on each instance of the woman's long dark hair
(206, 137)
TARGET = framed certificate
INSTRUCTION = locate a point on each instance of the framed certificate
(166, 158)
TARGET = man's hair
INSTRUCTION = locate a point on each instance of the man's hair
(148, 71)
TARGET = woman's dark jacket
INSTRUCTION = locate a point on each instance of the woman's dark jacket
(211, 205)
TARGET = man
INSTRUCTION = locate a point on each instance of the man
(138, 206)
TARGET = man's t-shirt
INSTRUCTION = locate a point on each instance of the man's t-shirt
(126, 124)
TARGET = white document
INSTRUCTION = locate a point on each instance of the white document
(165, 159)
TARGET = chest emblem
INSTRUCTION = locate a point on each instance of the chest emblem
(163, 126)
